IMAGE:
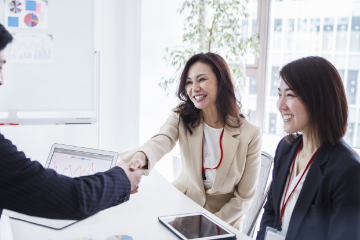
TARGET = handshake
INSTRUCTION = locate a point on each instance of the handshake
(133, 170)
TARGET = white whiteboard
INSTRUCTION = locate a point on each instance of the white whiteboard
(66, 84)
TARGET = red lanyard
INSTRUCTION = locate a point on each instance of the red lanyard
(292, 168)
(203, 169)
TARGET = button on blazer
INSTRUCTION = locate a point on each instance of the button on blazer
(236, 178)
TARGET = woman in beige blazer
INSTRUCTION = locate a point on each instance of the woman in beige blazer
(208, 101)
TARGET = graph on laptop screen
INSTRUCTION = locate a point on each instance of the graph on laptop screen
(74, 163)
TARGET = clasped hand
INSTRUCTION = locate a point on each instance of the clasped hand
(134, 175)
(133, 170)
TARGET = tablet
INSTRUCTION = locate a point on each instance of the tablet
(75, 161)
(195, 226)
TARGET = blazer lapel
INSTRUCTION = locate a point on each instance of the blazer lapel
(230, 146)
(284, 165)
(308, 191)
(195, 147)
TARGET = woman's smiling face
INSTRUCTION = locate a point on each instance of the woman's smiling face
(201, 86)
(292, 109)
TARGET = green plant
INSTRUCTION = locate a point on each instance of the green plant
(213, 26)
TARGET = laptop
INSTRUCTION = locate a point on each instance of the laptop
(73, 162)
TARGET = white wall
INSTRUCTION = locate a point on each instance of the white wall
(161, 27)
(120, 74)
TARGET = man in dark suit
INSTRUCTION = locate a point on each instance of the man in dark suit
(27, 187)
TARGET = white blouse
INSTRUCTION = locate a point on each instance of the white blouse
(211, 148)
(294, 197)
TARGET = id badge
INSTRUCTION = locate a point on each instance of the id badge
(273, 234)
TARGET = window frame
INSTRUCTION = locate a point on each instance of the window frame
(258, 70)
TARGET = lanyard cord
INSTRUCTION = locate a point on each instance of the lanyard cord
(221, 150)
(292, 168)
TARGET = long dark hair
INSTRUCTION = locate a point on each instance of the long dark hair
(318, 84)
(226, 103)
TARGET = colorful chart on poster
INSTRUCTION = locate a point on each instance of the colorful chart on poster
(120, 237)
(31, 20)
(15, 6)
(29, 14)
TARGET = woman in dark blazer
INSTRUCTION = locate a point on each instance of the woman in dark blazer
(315, 191)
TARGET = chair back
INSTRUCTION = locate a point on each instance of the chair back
(260, 195)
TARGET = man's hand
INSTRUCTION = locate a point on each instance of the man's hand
(138, 161)
(134, 176)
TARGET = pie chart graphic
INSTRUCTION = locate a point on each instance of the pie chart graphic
(31, 20)
(15, 6)
(120, 237)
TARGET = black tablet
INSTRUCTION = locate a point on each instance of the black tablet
(195, 226)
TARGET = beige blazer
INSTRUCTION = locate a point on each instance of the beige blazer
(236, 178)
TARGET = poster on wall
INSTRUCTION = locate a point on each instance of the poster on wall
(31, 48)
(26, 14)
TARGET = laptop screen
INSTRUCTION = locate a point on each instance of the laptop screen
(73, 163)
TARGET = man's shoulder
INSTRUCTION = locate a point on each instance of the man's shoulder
(6, 145)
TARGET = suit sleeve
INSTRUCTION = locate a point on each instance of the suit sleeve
(344, 218)
(159, 145)
(27, 187)
(268, 217)
(245, 190)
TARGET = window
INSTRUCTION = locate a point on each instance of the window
(249, 91)
(252, 93)
(327, 28)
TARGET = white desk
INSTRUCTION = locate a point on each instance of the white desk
(138, 217)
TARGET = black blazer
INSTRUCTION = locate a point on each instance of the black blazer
(328, 206)
(27, 187)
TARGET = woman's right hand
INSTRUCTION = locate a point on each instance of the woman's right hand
(138, 161)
